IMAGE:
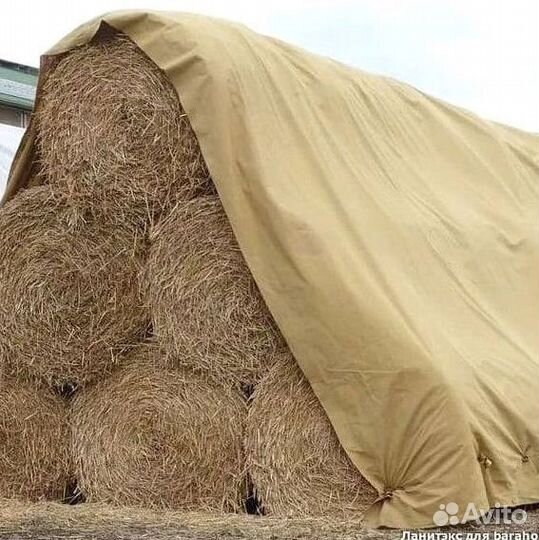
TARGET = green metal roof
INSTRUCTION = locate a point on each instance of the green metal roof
(17, 85)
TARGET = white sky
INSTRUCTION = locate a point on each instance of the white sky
(479, 54)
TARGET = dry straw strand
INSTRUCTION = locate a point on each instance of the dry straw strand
(109, 122)
(89, 521)
(34, 443)
(70, 292)
(206, 307)
(155, 437)
(294, 458)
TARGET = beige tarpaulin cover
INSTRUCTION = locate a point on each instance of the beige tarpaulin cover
(395, 240)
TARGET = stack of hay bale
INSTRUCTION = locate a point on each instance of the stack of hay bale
(132, 333)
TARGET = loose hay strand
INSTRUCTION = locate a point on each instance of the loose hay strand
(94, 520)
(156, 437)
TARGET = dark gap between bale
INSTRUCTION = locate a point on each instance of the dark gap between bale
(294, 458)
(70, 294)
(109, 122)
(66, 390)
(34, 443)
(153, 436)
(149, 333)
(206, 307)
(248, 390)
(252, 504)
(73, 494)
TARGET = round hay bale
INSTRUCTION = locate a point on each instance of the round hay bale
(70, 291)
(206, 307)
(34, 443)
(109, 121)
(293, 456)
(157, 437)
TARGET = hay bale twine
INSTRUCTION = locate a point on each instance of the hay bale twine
(70, 293)
(34, 443)
(206, 307)
(109, 121)
(293, 456)
(157, 437)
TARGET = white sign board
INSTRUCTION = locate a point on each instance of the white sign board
(10, 137)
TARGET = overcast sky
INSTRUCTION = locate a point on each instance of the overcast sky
(479, 54)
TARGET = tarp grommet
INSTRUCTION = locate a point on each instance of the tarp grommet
(485, 461)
